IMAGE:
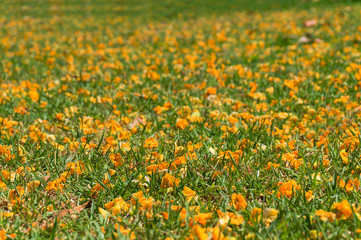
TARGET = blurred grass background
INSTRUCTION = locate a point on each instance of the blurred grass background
(152, 10)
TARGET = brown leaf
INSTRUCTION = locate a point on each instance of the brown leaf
(304, 40)
(309, 39)
(76, 209)
(46, 178)
(356, 110)
(310, 23)
(138, 121)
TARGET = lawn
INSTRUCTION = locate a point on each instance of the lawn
(185, 119)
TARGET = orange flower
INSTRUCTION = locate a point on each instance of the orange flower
(325, 216)
(123, 231)
(116, 159)
(166, 106)
(291, 158)
(160, 167)
(5, 151)
(15, 194)
(32, 185)
(217, 234)
(198, 233)
(56, 185)
(309, 195)
(145, 203)
(196, 117)
(232, 120)
(343, 210)
(150, 143)
(34, 95)
(3, 234)
(229, 217)
(59, 116)
(78, 167)
(6, 215)
(181, 123)
(117, 205)
(281, 115)
(268, 215)
(351, 185)
(211, 91)
(136, 196)
(238, 201)
(288, 188)
(256, 215)
(169, 181)
(202, 218)
(5, 174)
(270, 165)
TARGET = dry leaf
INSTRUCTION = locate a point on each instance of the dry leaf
(304, 40)
(310, 23)
(138, 121)
(76, 209)
(356, 110)
(308, 39)
(46, 178)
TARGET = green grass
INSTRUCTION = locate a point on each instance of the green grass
(90, 82)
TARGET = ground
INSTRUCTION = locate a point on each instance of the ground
(167, 119)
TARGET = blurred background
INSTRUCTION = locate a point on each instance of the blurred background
(151, 9)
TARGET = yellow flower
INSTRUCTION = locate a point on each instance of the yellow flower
(269, 215)
(188, 193)
(344, 156)
(103, 212)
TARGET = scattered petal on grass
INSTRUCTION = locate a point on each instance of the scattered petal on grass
(181, 122)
